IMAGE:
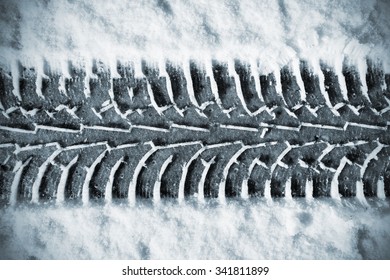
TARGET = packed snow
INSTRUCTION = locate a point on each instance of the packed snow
(269, 33)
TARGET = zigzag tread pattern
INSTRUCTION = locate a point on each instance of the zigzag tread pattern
(213, 129)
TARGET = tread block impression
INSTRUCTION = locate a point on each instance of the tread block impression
(193, 130)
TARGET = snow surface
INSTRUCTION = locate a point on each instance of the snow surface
(271, 33)
(274, 32)
(255, 229)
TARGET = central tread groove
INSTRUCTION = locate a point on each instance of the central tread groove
(205, 129)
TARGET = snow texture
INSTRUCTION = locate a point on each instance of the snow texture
(275, 33)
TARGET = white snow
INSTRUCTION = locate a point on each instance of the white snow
(273, 32)
(316, 229)
(267, 34)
